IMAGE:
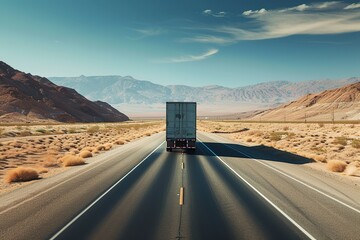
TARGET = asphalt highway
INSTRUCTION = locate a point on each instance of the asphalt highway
(221, 191)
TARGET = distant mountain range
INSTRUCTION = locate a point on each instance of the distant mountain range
(128, 92)
(24, 97)
(117, 89)
(337, 104)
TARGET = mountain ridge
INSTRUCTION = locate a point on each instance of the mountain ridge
(330, 105)
(24, 97)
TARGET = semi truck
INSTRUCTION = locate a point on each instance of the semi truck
(181, 125)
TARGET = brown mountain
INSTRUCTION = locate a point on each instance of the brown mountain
(24, 97)
(336, 104)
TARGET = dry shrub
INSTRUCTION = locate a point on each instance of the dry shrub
(108, 146)
(93, 129)
(355, 143)
(41, 169)
(74, 150)
(50, 161)
(21, 174)
(25, 133)
(258, 134)
(320, 158)
(119, 142)
(252, 132)
(100, 148)
(148, 134)
(291, 135)
(336, 165)
(41, 131)
(340, 140)
(85, 154)
(71, 160)
(249, 140)
(90, 149)
(61, 159)
(72, 130)
(275, 136)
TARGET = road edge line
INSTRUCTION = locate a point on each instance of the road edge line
(262, 195)
(297, 180)
(102, 195)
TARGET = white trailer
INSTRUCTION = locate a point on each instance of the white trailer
(180, 125)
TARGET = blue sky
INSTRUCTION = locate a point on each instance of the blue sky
(197, 43)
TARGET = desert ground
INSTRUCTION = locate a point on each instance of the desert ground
(334, 147)
(30, 152)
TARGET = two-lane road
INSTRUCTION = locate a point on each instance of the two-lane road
(134, 193)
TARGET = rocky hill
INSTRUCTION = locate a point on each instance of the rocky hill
(24, 97)
(337, 104)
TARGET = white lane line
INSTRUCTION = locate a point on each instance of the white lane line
(102, 195)
(262, 195)
(296, 180)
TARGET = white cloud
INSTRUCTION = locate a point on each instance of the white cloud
(301, 7)
(209, 12)
(325, 5)
(313, 19)
(192, 58)
(250, 12)
(314, 6)
(353, 6)
(287, 24)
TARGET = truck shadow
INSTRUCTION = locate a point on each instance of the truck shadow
(260, 152)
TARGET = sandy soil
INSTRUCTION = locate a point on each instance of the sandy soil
(323, 143)
(43, 146)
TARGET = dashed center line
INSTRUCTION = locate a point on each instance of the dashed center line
(181, 197)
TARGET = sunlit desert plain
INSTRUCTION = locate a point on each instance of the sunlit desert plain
(335, 147)
(29, 152)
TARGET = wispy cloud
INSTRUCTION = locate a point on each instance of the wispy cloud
(208, 39)
(353, 6)
(147, 32)
(300, 8)
(192, 58)
(313, 19)
(325, 5)
(209, 12)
